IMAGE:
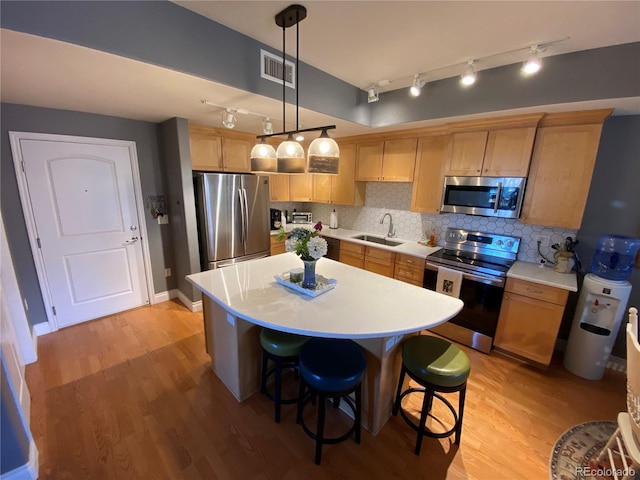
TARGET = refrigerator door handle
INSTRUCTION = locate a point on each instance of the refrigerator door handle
(246, 219)
(242, 194)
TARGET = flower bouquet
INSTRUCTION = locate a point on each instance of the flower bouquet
(309, 246)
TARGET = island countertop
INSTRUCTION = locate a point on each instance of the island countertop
(362, 304)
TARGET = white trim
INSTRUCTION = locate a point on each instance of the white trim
(43, 328)
(25, 201)
(193, 306)
(28, 471)
(162, 297)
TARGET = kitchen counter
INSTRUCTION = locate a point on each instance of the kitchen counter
(532, 272)
(409, 247)
(240, 298)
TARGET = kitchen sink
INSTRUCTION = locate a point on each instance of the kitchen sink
(379, 240)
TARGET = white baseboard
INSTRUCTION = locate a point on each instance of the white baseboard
(28, 471)
(193, 306)
(164, 296)
(42, 328)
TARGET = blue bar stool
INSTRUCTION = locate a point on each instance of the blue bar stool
(331, 368)
(283, 350)
(439, 367)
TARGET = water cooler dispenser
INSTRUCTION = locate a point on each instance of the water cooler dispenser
(601, 306)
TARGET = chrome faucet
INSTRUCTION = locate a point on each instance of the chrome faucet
(391, 232)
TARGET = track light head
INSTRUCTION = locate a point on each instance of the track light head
(228, 118)
(468, 77)
(267, 126)
(533, 64)
(417, 85)
(372, 94)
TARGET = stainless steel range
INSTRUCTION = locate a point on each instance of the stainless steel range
(483, 259)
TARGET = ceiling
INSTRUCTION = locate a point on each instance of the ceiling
(359, 42)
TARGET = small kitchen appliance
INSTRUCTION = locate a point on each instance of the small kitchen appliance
(301, 217)
(483, 260)
(276, 218)
(601, 306)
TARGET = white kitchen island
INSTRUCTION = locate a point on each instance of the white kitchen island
(373, 310)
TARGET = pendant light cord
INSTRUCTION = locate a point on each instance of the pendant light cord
(297, 63)
(284, 70)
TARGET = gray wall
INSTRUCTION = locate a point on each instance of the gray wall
(184, 229)
(613, 205)
(43, 120)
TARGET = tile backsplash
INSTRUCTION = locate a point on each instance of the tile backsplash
(395, 198)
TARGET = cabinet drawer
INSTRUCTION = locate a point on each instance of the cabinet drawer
(382, 267)
(352, 259)
(381, 255)
(409, 260)
(537, 291)
(409, 273)
(352, 247)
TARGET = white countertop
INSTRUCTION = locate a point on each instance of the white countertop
(409, 247)
(533, 272)
(362, 304)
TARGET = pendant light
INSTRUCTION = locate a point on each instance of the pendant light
(290, 156)
(263, 158)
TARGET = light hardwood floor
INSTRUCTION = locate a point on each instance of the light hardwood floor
(132, 395)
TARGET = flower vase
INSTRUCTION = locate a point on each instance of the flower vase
(309, 280)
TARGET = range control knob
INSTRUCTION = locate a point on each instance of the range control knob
(499, 242)
(509, 244)
(460, 236)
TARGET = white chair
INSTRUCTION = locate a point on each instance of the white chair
(624, 444)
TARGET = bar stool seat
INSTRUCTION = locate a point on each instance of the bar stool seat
(439, 367)
(283, 350)
(331, 368)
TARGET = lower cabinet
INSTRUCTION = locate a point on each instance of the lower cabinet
(409, 269)
(379, 261)
(352, 254)
(277, 246)
(529, 320)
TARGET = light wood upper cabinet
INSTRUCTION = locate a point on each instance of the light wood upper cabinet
(206, 149)
(341, 189)
(215, 150)
(467, 154)
(508, 152)
(387, 161)
(279, 188)
(236, 155)
(300, 187)
(433, 153)
(492, 153)
(561, 169)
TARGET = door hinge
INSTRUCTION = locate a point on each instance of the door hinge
(39, 244)
(54, 310)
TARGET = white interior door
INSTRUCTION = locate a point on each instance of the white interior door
(84, 208)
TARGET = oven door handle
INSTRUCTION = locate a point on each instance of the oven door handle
(498, 282)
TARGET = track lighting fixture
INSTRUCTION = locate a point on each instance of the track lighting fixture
(267, 126)
(468, 77)
(372, 94)
(533, 64)
(417, 85)
(290, 156)
(228, 118)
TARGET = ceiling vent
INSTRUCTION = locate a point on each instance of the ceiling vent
(271, 69)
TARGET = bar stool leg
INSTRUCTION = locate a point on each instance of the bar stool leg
(278, 388)
(300, 401)
(426, 407)
(263, 376)
(320, 430)
(396, 404)
(358, 414)
(462, 394)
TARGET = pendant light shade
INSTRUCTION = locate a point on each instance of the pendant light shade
(290, 157)
(263, 158)
(324, 155)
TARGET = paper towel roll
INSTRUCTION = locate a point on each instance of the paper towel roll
(333, 222)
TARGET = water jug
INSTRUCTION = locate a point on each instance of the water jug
(614, 256)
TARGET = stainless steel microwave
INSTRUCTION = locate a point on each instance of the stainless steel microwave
(486, 196)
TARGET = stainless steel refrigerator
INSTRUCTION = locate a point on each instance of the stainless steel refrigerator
(233, 217)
